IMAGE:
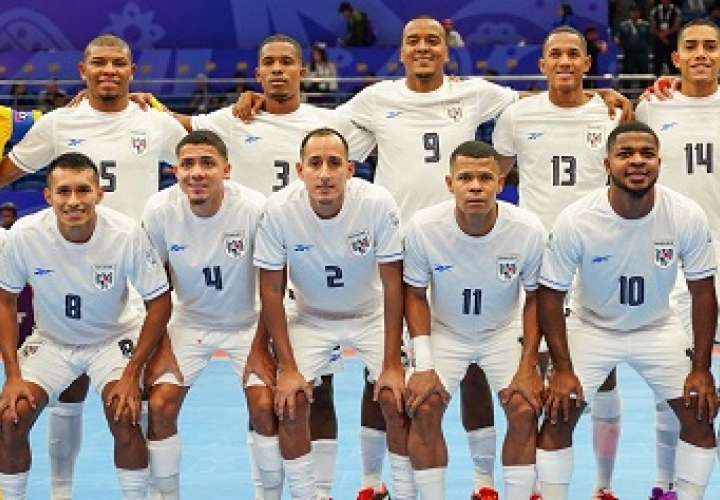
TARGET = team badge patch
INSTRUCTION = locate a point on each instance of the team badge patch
(594, 137)
(454, 111)
(235, 244)
(664, 254)
(359, 242)
(138, 142)
(151, 259)
(103, 277)
(506, 268)
(28, 350)
(126, 348)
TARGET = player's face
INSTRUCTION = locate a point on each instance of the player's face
(279, 70)
(475, 183)
(73, 196)
(325, 170)
(107, 72)
(564, 61)
(424, 50)
(200, 172)
(633, 163)
(698, 54)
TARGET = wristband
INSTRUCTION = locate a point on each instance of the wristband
(422, 347)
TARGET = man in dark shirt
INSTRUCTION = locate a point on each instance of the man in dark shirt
(359, 31)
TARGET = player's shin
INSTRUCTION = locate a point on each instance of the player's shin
(606, 410)
(270, 465)
(64, 439)
(164, 455)
(133, 483)
(372, 448)
(14, 486)
(694, 466)
(667, 430)
(324, 456)
(554, 469)
(482, 444)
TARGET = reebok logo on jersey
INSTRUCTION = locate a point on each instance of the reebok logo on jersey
(441, 268)
(250, 139)
(393, 114)
(75, 142)
(532, 136)
(39, 271)
(302, 248)
(667, 126)
(601, 258)
(175, 247)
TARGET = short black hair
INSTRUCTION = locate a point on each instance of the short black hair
(323, 132)
(203, 137)
(631, 126)
(697, 22)
(474, 149)
(77, 162)
(279, 37)
(565, 29)
(344, 6)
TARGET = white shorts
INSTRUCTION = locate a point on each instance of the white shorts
(658, 353)
(314, 342)
(54, 366)
(193, 349)
(497, 353)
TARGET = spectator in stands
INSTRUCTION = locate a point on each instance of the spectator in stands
(595, 47)
(694, 9)
(359, 29)
(634, 39)
(714, 14)
(665, 22)
(20, 97)
(234, 93)
(52, 97)
(8, 214)
(567, 16)
(320, 67)
(200, 102)
(454, 39)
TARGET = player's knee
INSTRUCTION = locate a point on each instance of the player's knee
(428, 415)
(261, 408)
(13, 431)
(302, 413)
(521, 416)
(387, 402)
(164, 406)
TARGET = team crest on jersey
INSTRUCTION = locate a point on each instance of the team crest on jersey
(139, 142)
(359, 242)
(454, 111)
(664, 254)
(594, 137)
(103, 277)
(506, 268)
(234, 244)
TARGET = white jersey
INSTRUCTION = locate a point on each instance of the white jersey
(626, 267)
(332, 263)
(126, 146)
(474, 280)
(80, 290)
(416, 132)
(559, 151)
(689, 132)
(210, 258)
(263, 153)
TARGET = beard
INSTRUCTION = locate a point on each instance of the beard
(280, 97)
(635, 193)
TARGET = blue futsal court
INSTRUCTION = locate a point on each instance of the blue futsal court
(215, 466)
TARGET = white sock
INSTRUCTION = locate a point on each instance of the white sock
(694, 466)
(133, 483)
(14, 486)
(519, 481)
(606, 410)
(402, 477)
(254, 471)
(667, 431)
(431, 483)
(324, 456)
(164, 457)
(301, 477)
(65, 426)
(270, 465)
(554, 469)
(372, 449)
(482, 451)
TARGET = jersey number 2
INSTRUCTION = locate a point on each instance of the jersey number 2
(334, 277)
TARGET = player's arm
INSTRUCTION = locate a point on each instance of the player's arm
(11, 132)
(9, 172)
(506, 164)
(614, 100)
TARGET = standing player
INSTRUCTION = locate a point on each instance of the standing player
(475, 254)
(339, 239)
(688, 126)
(204, 230)
(558, 140)
(626, 243)
(84, 322)
(127, 144)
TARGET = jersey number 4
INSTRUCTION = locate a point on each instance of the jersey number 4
(699, 155)
(564, 170)
(213, 277)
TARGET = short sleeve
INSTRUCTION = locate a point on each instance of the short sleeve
(221, 122)
(561, 256)
(360, 108)
(173, 132)
(152, 224)
(146, 272)
(697, 251)
(530, 272)
(388, 240)
(360, 141)
(37, 148)
(492, 98)
(270, 249)
(503, 137)
(13, 273)
(416, 270)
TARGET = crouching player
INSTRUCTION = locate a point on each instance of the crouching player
(204, 229)
(79, 259)
(475, 253)
(339, 239)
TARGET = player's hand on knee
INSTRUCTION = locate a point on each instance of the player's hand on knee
(701, 385)
(248, 105)
(15, 389)
(161, 362)
(392, 379)
(614, 101)
(564, 390)
(262, 364)
(420, 386)
(125, 395)
(528, 383)
(289, 384)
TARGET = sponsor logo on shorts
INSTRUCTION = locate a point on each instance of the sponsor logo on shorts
(594, 137)
(506, 268)
(103, 276)
(138, 142)
(359, 242)
(235, 244)
(664, 254)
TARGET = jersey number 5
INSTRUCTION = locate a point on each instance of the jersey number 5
(107, 176)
